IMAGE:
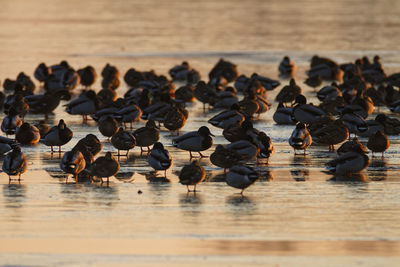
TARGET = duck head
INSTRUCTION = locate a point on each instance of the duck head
(151, 124)
(158, 146)
(301, 100)
(204, 131)
(61, 124)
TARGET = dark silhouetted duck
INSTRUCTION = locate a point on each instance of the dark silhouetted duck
(58, 135)
(147, 136)
(354, 122)
(286, 68)
(73, 162)
(192, 174)
(226, 98)
(175, 118)
(88, 76)
(11, 122)
(378, 142)
(314, 81)
(128, 114)
(184, 94)
(225, 157)
(123, 140)
(159, 158)
(241, 131)
(348, 163)
(86, 104)
(106, 166)
(241, 177)
(329, 92)
(15, 163)
(245, 149)
(108, 126)
(110, 76)
(6, 144)
(46, 103)
(284, 115)
(223, 71)
(331, 134)
(265, 145)
(350, 145)
(43, 128)
(300, 138)
(16, 102)
(184, 73)
(289, 92)
(248, 105)
(195, 141)
(228, 117)
(42, 73)
(92, 143)
(205, 94)
(27, 134)
(306, 113)
(391, 125)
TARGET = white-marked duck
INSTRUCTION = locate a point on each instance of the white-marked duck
(300, 138)
(73, 162)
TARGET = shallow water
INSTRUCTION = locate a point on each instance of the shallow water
(295, 215)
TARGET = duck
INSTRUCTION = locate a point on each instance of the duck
(184, 94)
(289, 92)
(265, 145)
(262, 82)
(6, 144)
(306, 113)
(241, 177)
(326, 68)
(174, 119)
(92, 143)
(286, 68)
(300, 138)
(245, 149)
(378, 142)
(159, 158)
(89, 159)
(147, 135)
(350, 145)
(27, 134)
(284, 115)
(226, 98)
(16, 102)
(46, 103)
(15, 163)
(205, 93)
(240, 131)
(88, 76)
(314, 81)
(110, 76)
(42, 72)
(354, 122)
(128, 114)
(329, 92)
(123, 140)
(391, 125)
(73, 162)
(157, 110)
(43, 128)
(106, 96)
(228, 117)
(108, 126)
(58, 135)
(184, 73)
(373, 126)
(11, 122)
(105, 166)
(224, 157)
(348, 163)
(192, 174)
(249, 105)
(86, 104)
(331, 134)
(197, 141)
(223, 70)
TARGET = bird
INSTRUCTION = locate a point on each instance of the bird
(46, 103)
(286, 68)
(225, 157)
(289, 92)
(284, 115)
(184, 94)
(73, 162)
(329, 92)
(88, 76)
(159, 158)
(378, 142)
(27, 134)
(86, 104)
(15, 163)
(58, 135)
(43, 128)
(147, 135)
(391, 125)
(300, 138)
(265, 146)
(354, 122)
(108, 126)
(192, 174)
(331, 134)
(245, 149)
(350, 145)
(105, 166)
(123, 140)
(241, 131)
(348, 163)
(11, 122)
(197, 141)
(228, 117)
(174, 119)
(128, 114)
(92, 143)
(6, 144)
(205, 94)
(306, 113)
(241, 177)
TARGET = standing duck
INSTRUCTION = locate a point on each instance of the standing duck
(46, 103)
(378, 142)
(286, 68)
(58, 135)
(27, 134)
(73, 162)
(225, 157)
(205, 93)
(348, 163)
(108, 126)
(147, 135)
(306, 113)
(192, 174)
(15, 163)
(197, 141)
(354, 122)
(106, 166)
(175, 119)
(11, 122)
(92, 143)
(300, 138)
(284, 115)
(123, 140)
(331, 134)
(241, 177)
(159, 158)
(351, 145)
(88, 76)
(265, 145)
(289, 92)
(86, 104)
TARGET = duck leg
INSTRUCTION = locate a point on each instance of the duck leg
(66, 180)
(127, 153)
(241, 192)
(202, 156)
(52, 151)
(191, 156)
(165, 173)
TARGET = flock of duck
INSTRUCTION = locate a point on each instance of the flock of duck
(353, 92)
